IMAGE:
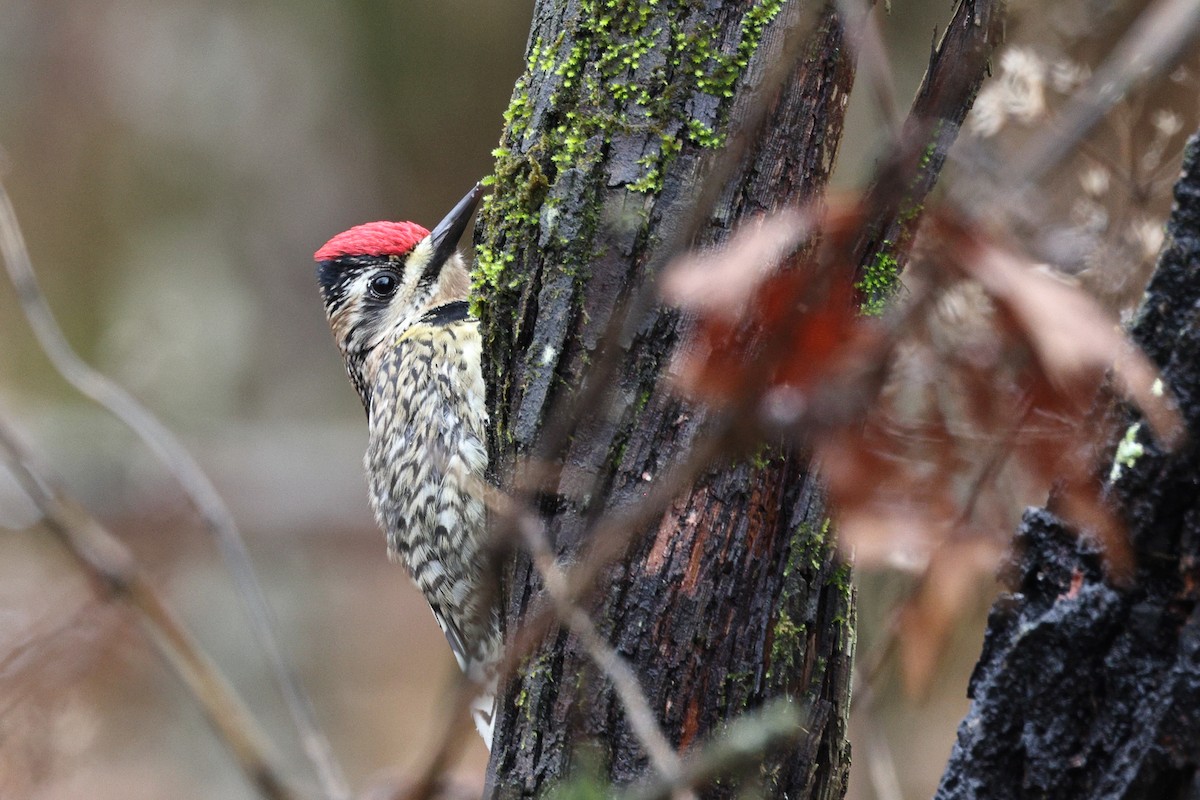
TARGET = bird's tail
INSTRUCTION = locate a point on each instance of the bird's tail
(479, 664)
(483, 711)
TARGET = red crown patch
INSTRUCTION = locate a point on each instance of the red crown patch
(373, 239)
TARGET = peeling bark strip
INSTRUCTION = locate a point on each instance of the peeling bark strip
(1086, 690)
(957, 68)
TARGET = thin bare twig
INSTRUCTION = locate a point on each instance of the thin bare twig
(116, 576)
(881, 766)
(739, 747)
(860, 26)
(637, 707)
(511, 516)
(215, 515)
(609, 539)
(1156, 41)
(455, 725)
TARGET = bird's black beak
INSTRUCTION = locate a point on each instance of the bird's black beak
(445, 236)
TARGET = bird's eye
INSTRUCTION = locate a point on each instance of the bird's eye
(384, 285)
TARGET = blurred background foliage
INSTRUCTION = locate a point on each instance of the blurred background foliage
(174, 165)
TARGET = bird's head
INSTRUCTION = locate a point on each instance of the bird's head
(379, 278)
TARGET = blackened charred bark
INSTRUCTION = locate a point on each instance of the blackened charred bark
(1086, 689)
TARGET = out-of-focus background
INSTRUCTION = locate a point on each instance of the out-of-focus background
(174, 165)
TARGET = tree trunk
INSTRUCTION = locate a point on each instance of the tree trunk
(736, 595)
(1086, 689)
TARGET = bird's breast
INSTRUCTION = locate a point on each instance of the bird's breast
(426, 454)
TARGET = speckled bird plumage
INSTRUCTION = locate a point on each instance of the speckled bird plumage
(413, 354)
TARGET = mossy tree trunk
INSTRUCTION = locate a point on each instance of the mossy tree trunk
(736, 596)
(1087, 689)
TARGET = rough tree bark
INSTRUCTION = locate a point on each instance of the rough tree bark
(736, 596)
(1086, 689)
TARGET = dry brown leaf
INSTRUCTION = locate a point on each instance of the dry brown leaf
(1074, 341)
(722, 281)
(762, 322)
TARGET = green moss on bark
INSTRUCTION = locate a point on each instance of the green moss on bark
(650, 80)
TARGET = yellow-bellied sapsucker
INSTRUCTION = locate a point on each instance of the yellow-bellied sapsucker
(396, 298)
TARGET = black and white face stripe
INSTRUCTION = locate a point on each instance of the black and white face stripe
(366, 295)
(337, 277)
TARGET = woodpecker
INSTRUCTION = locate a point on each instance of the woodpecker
(395, 295)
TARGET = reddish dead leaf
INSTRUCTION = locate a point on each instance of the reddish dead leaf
(877, 535)
(913, 466)
(722, 281)
(1074, 341)
(763, 321)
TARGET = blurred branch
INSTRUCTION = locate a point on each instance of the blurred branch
(116, 576)
(609, 539)
(739, 748)
(637, 707)
(870, 664)
(429, 774)
(881, 766)
(180, 463)
(1157, 39)
(863, 36)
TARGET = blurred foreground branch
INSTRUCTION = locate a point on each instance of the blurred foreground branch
(183, 467)
(609, 539)
(1156, 41)
(117, 577)
(559, 586)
